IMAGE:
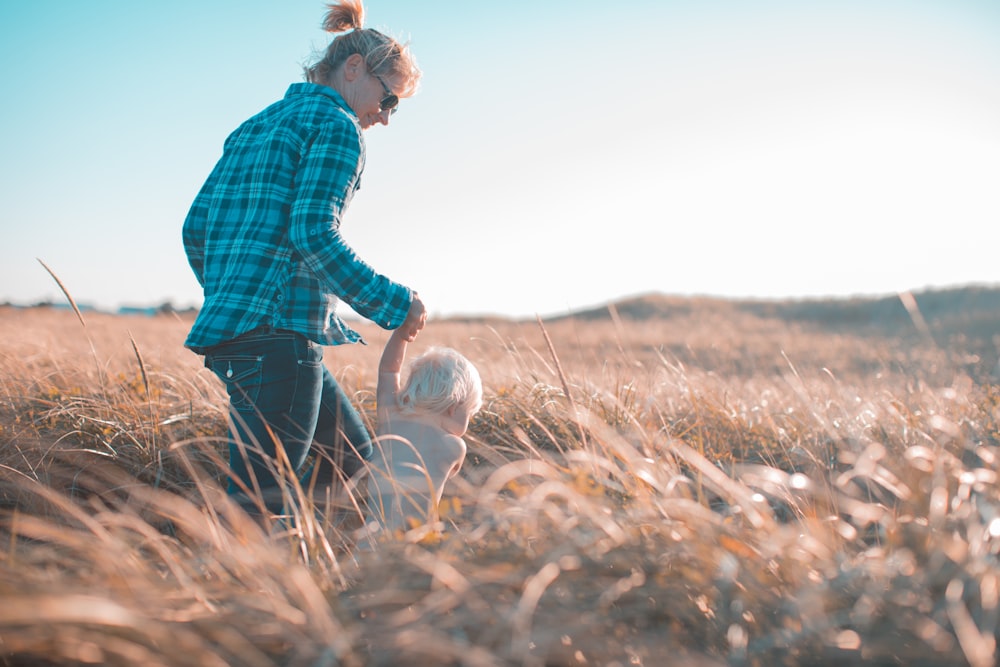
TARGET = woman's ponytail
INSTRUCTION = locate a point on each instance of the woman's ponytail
(343, 16)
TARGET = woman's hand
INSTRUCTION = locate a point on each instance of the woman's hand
(416, 317)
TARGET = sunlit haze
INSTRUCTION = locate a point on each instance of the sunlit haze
(558, 155)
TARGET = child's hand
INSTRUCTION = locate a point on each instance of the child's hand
(415, 319)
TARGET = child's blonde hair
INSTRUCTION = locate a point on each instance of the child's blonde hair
(440, 379)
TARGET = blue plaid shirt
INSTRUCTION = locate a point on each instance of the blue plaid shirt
(263, 234)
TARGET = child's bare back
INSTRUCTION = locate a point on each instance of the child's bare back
(406, 480)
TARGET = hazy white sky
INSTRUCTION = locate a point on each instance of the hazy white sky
(559, 154)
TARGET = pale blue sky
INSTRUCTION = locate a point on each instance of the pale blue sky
(559, 154)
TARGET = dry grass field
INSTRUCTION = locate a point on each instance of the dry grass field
(706, 485)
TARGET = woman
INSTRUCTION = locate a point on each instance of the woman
(263, 238)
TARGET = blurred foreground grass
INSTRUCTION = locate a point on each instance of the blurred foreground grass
(716, 489)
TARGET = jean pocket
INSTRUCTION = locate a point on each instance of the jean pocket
(242, 375)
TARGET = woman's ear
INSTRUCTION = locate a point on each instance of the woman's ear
(354, 67)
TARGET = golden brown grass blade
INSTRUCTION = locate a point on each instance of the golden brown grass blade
(142, 366)
(562, 379)
(910, 303)
(65, 291)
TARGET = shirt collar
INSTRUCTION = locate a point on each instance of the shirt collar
(306, 88)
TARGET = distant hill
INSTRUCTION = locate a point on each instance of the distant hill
(961, 316)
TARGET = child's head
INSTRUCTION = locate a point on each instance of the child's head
(442, 381)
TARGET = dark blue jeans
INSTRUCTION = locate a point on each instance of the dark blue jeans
(282, 397)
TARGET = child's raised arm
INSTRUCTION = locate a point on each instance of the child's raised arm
(388, 373)
(394, 353)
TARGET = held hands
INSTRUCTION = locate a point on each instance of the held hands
(415, 319)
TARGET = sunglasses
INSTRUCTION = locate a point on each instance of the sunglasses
(391, 99)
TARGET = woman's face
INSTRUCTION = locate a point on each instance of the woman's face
(371, 91)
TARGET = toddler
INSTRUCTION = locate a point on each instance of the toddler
(419, 442)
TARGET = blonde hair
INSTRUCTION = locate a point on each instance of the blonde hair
(382, 54)
(440, 379)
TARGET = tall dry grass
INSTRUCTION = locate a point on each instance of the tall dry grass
(707, 491)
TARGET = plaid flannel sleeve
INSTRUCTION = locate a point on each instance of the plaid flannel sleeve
(328, 176)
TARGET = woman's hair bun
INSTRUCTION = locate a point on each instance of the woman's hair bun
(343, 16)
